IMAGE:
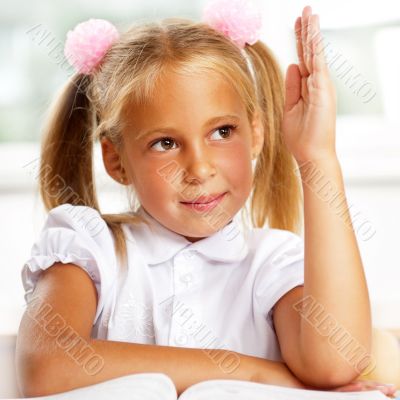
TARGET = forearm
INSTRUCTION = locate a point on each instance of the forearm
(335, 283)
(185, 366)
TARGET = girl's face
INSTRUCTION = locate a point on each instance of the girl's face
(193, 140)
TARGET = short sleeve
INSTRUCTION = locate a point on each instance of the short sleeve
(281, 270)
(78, 235)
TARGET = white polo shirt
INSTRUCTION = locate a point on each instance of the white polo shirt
(216, 293)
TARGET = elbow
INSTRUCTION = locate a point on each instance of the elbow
(330, 370)
(31, 378)
(48, 372)
(37, 376)
(332, 379)
(29, 389)
(27, 377)
(328, 377)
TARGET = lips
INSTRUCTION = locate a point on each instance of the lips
(204, 199)
(204, 203)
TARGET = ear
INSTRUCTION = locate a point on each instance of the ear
(112, 161)
(257, 140)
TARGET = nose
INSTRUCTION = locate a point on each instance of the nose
(199, 166)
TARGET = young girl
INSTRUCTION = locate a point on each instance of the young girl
(193, 119)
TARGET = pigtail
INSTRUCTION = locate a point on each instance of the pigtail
(66, 164)
(277, 193)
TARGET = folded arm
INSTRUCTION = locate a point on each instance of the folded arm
(55, 352)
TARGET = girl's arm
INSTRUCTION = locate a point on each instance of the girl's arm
(340, 329)
(324, 329)
(55, 352)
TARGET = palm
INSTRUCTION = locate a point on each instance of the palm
(310, 101)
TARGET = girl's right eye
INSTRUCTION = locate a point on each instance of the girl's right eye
(163, 140)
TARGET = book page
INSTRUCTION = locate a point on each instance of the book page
(142, 386)
(225, 389)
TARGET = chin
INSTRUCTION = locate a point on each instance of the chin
(194, 239)
(208, 227)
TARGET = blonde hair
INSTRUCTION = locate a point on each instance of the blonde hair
(90, 107)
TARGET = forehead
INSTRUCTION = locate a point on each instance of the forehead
(181, 99)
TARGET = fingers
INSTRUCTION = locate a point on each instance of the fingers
(385, 388)
(300, 29)
(309, 44)
(356, 386)
(317, 49)
(307, 11)
(299, 47)
(292, 86)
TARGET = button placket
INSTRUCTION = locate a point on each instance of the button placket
(187, 323)
(184, 278)
(178, 334)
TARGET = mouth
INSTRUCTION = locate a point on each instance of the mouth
(204, 199)
(204, 203)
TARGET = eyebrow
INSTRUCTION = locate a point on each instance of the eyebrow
(211, 121)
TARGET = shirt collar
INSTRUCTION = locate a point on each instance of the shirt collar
(159, 243)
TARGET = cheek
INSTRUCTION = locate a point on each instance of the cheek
(143, 174)
(152, 184)
(236, 167)
(148, 183)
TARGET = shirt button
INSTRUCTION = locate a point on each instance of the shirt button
(186, 278)
(181, 339)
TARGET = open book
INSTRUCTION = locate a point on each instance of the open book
(158, 386)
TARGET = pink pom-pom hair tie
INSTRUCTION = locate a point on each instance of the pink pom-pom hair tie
(87, 44)
(240, 20)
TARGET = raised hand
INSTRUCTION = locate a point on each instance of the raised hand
(309, 119)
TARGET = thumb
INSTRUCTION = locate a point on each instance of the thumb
(292, 86)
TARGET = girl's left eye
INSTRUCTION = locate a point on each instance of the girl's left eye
(226, 129)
